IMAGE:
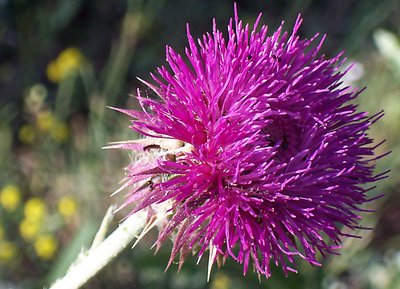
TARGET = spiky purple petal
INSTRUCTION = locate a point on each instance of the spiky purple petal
(278, 156)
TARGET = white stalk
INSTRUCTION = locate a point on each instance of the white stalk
(91, 262)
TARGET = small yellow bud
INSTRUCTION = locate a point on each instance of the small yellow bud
(10, 197)
(27, 133)
(45, 246)
(35, 209)
(67, 62)
(52, 72)
(7, 251)
(221, 281)
(29, 229)
(59, 132)
(67, 207)
(45, 121)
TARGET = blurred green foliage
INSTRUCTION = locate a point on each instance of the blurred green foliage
(62, 62)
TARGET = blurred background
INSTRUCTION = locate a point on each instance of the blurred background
(63, 61)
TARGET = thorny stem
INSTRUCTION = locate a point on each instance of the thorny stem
(91, 262)
(102, 251)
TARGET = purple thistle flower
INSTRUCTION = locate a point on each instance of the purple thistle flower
(254, 147)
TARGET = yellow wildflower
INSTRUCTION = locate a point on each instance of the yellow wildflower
(7, 251)
(10, 196)
(27, 133)
(67, 206)
(45, 121)
(52, 71)
(68, 61)
(45, 246)
(29, 229)
(221, 281)
(59, 132)
(34, 209)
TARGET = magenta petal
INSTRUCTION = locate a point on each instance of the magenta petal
(278, 158)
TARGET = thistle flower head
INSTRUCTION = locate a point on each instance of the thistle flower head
(252, 147)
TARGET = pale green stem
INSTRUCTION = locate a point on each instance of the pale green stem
(91, 262)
